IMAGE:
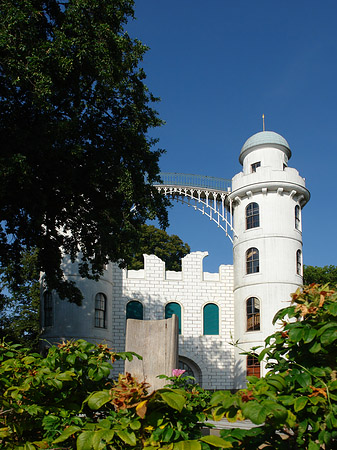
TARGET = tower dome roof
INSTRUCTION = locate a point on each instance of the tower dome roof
(264, 137)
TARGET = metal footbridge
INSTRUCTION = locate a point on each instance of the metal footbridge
(205, 194)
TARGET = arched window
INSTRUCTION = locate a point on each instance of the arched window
(253, 314)
(134, 310)
(253, 366)
(252, 260)
(252, 216)
(297, 218)
(211, 319)
(299, 262)
(48, 309)
(100, 310)
(173, 308)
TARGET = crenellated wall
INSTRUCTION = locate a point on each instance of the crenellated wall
(192, 289)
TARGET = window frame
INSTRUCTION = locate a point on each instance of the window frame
(48, 309)
(254, 166)
(252, 215)
(298, 218)
(100, 312)
(134, 302)
(252, 264)
(253, 366)
(299, 262)
(168, 315)
(253, 316)
(206, 326)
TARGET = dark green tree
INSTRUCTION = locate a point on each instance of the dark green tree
(153, 241)
(76, 163)
(321, 275)
(20, 303)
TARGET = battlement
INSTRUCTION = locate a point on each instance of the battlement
(192, 268)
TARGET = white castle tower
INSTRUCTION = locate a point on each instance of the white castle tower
(267, 198)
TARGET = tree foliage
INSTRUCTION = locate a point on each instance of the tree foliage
(20, 302)
(76, 164)
(153, 241)
(321, 275)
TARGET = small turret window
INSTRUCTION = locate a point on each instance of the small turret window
(252, 260)
(100, 310)
(253, 314)
(252, 216)
(297, 218)
(299, 262)
(254, 166)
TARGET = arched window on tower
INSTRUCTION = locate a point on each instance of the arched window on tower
(253, 366)
(211, 319)
(252, 260)
(299, 262)
(297, 218)
(48, 309)
(173, 308)
(100, 310)
(253, 314)
(252, 216)
(134, 310)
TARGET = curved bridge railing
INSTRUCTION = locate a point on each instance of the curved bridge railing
(197, 181)
(205, 194)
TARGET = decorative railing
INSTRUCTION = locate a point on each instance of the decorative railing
(191, 180)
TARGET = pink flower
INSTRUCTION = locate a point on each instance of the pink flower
(177, 372)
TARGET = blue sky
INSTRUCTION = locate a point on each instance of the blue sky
(217, 67)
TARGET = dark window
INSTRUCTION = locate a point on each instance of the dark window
(253, 314)
(252, 216)
(255, 166)
(252, 260)
(211, 319)
(173, 308)
(297, 218)
(253, 366)
(299, 262)
(100, 310)
(48, 309)
(134, 310)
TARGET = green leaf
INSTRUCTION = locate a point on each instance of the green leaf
(313, 446)
(127, 437)
(255, 412)
(309, 334)
(329, 336)
(216, 441)
(66, 433)
(174, 400)
(304, 379)
(315, 348)
(84, 440)
(29, 446)
(332, 308)
(101, 438)
(300, 403)
(296, 333)
(98, 399)
(187, 445)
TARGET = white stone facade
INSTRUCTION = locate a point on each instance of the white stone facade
(278, 193)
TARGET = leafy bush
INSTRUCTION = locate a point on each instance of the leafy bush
(295, 403)
(69, 399)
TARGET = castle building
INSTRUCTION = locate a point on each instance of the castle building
(236, 304)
